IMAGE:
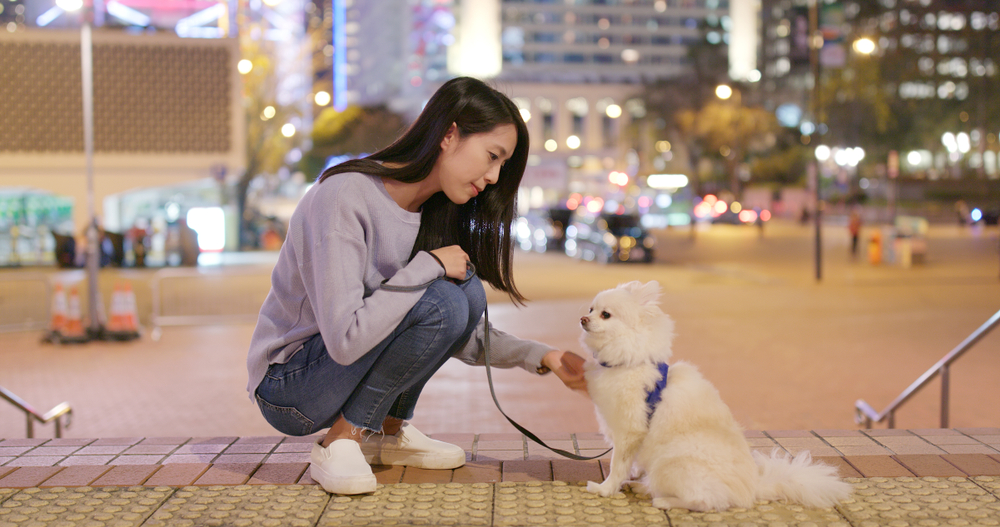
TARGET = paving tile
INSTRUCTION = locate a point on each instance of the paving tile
(406, 504)
(928, 432)
(303, 439)
(278, 474)
(116, 441)
(4, 460)
(878, 466)
(500, 455)
(592, 444)
(526, 471)
(824, 451)
(886, 432)
(189, 458)
(837, 432)
(35, 461)
(47, 450)
(84, 506)
(559, 503)
(974, 464)
(909, 445)
(801, 442)
(969, 449)
(239, 458)
(201, 448)
(761, 442)
(844, 469)
(86, 460)
(273, 440)
(126, 475)
(788, 433)
(136, 460)
(979, 431)
(227, 474)
(264, 505)
(289, 447)
(216, 440)
(499, 445)
(176, 441)
(464, 441)
(950, 440)
(993, 440)
(33, 442)
(150, 449)
(478, 472)
(416, 476)
(13, 450)
(603, 453)
(93, 449)
(292, 457)
(25, 477)
(605, 467)
(575, 471)
(505, 436)
(753, 433)
(177, 474)
(76, 476)
(250, 448)
(534, 449)
(70, 441)
(387, 474)
(306, 480)
(6, 470)
(928, 465)
(919, 501)
(869, 450)
(858, 440)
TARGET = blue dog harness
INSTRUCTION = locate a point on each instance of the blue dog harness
(654, 396)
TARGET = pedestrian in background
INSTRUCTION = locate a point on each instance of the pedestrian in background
(854, 228)
(335, 348)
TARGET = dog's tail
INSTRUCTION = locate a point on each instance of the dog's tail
(798, 479)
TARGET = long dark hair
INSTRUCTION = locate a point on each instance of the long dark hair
(481, 226)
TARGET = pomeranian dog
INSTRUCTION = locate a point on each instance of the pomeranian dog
(669, 424)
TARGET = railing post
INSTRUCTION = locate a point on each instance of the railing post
(892, 419)
(31, 425)
(58, 427)
(945, 381)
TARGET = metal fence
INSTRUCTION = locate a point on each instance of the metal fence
(227, 295)
(25, 299)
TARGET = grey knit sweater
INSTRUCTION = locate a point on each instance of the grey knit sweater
(345, 237)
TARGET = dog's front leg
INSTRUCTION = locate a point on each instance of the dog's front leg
(621, 463)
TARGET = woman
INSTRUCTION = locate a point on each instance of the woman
(335, 348)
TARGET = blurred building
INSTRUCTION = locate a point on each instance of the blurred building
(937, 58)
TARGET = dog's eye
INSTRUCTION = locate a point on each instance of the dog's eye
(605, 315)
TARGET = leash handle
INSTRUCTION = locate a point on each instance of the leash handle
(527, 433)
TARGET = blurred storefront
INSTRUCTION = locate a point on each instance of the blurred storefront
(32, 223)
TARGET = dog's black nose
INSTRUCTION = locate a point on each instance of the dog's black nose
(584, 321)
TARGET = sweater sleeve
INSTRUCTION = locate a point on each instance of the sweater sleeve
(506, 350)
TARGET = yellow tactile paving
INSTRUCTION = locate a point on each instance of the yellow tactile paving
(421, 504)
(560, 503)
(901, 502)
(242, 506)
(767, 513)
(82, 506)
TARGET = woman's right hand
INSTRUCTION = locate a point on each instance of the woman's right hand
(455, 261)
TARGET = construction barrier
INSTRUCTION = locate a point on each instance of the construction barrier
(25, 301)
(230, 295)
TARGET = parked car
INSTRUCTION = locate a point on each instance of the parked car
(608, 238)
(532, 232)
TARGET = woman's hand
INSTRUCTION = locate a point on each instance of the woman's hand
(455, 260)
(568, 366)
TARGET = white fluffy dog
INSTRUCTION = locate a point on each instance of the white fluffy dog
(690, 451)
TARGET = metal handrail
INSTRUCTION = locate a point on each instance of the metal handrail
(866, 415)
(55, 414)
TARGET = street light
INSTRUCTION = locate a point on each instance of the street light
(723, 92)
(865, 46)
(96, 327)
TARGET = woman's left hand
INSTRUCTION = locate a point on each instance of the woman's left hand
(568, 366)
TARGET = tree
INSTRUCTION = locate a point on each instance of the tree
(354, 131)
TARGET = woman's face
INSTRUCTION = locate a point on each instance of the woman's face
(467, 164)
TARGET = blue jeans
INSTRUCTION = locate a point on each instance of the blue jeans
(310, 391)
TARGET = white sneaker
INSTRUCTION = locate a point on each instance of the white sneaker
(341, 468)
(411, 448)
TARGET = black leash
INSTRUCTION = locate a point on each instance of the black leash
(489, 373)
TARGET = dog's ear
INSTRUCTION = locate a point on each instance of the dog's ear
(648, 293)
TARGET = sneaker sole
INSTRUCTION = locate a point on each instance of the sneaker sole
(418, 460)
(343, 485)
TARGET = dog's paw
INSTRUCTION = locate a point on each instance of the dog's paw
(602, 489)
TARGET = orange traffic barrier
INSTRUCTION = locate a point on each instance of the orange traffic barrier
(123, 322)
(73, 330)
(58, 313)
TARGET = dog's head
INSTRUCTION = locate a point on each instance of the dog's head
(625, 326)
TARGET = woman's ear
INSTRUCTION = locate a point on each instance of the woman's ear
(450, 137)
